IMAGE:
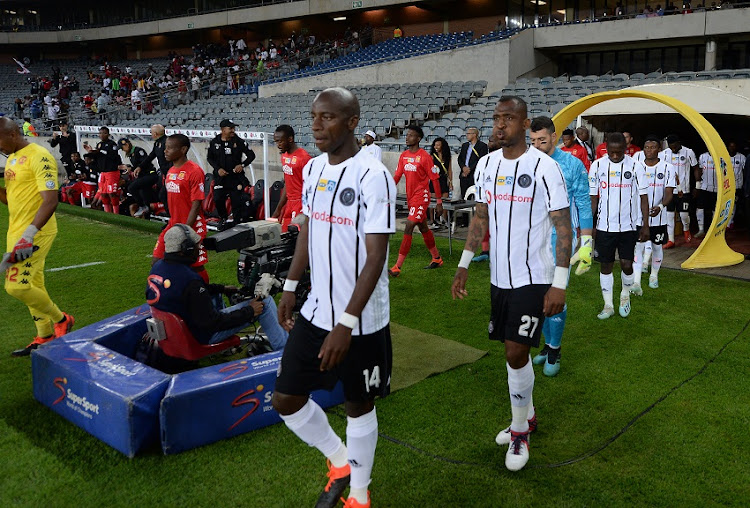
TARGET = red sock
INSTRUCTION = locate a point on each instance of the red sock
(403, 251)
(429, 241)
(106, 204)
(115, 200)
(204, 275)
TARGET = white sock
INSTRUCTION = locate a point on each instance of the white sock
(361, 440)
(656, 259)
(640, 249)
(685, 219)
(627, 283)
(700, 215)
(647, 252)
(532, 410)
(311, 425)
(670, 225)
(521, 387)
(607, 282)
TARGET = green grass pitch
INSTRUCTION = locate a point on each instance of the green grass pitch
(438, 446)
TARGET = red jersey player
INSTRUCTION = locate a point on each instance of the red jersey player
(572, 146)
(185, 193)
(419, 169)
(293, 160)
(630, 147)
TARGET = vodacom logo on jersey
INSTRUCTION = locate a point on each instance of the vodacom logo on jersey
(507, 197)
(332, 219)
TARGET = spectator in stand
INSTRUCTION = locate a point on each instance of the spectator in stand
(397, 32)
(570, 145)
(102, 102)
(28, 129)
(228, 155)
(135, 99)
(182, 91)
(18, 108)
(67, 143)
(108, 162)
(370, 146)
(36, 108)
(195, 85)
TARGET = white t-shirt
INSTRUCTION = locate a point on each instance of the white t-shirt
(519, 194)
(374, 150)
(344, 203)
(682, 161)
(619, 187)
(659, 176)
(708, 182)
(738, 164)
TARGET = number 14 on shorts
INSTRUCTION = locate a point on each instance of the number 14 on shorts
(372, 379)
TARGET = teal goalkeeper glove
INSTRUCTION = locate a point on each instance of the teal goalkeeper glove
(583, 255)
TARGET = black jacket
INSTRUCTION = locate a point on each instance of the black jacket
(157, 152)
(108, 156)
(227, 155)
(138, 158)
(480, 150)
(67, 146)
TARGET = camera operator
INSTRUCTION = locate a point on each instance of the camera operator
(174, 287)
(225, 154)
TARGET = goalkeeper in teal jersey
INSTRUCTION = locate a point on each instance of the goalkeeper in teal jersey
(544, 138)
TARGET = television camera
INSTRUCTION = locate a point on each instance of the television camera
(265, 255)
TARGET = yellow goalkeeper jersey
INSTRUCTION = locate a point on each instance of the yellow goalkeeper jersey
(28, 172)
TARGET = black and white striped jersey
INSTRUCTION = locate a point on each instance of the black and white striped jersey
(619, 186)
(520, 194)
(344, 203)
(659, 177)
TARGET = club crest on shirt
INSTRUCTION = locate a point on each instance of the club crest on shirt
(627, 174)
(347, 196)
(524, 181)
(659, 176)
(10, 175)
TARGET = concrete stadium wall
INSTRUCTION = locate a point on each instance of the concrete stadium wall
(496, 62)
(638, 30)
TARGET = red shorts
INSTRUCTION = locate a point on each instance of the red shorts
(291, 210)
(199, 227)
(109, 182)
(418, 205)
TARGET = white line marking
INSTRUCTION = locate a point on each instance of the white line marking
(84, 265)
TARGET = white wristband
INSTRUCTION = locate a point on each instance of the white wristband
(466, 258)
(290, 285)
(661, 206)
(560, 280)
(348, 320)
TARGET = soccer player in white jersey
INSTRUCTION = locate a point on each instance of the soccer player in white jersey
(660, 177)
(544, 138)
(639, 156)
(618, 189)
(707, 192)
(521, 196)
(342, 331)
(686, 165)
(738, 165)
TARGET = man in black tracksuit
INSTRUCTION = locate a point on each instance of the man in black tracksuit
(142, 188)
(157, 152)
(67, 142)
(225, 155)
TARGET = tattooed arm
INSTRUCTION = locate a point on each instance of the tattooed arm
(477, 229)
(563, 228)
(554, 299)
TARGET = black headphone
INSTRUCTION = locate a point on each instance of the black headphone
(187, 247)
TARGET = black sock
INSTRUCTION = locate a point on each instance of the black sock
(553, 355)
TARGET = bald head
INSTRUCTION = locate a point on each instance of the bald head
(518, 104)
(7, 126)
(342, 99)
(157, 131)
(11, 138)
